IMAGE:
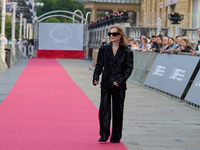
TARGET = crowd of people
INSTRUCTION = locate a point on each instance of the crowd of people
(162, 44)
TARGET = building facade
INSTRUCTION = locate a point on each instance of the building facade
(152, 9)
(145, 13)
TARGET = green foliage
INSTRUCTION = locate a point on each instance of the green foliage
(49, 5)
(53, 19)
(8, 27)
(69, 5)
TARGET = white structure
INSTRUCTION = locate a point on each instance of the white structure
(3, 20)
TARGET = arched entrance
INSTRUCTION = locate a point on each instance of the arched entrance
(58, 13)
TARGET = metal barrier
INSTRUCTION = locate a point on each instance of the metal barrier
(14, 57)
(2, 65)
(143, 62)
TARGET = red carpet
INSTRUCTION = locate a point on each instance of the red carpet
(46, 110)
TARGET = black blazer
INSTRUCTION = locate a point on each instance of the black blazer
(115, 68)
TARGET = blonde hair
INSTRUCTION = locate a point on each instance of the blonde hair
(123, 41)
(180, 38)
(165, 38)
(187, 42)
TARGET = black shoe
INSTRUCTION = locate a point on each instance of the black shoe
(114, 141)
(102, 139)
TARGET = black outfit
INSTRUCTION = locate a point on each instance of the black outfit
(187, 49)
(158, 47)
(115, 68)
(154, 45)
(197, 48)
(103, 43)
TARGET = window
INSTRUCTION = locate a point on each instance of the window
(103, 13)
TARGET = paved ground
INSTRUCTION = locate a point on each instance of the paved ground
(151, 121)
(9, 77)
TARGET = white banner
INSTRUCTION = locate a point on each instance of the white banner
(60, 36)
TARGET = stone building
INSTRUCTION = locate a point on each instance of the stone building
(145, 13)
(152, 9)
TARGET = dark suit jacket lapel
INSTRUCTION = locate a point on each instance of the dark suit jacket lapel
(119, 53)
(109, 51)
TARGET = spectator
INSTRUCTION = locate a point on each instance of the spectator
(177, 39)
(186, 47)
(103, 41)
(171, 44)
(159, 44)
(198, 44)
(6, 40)
(151, 44)
(177, 49)
(141, 39)
(153, 39)
(137, 43)
(160, 35)
(146, 46)
(165, 45)
(10, 41)
(133, 45)
(130, 43)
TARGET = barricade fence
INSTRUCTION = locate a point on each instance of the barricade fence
(15, 56)
(169, 74)
(143, 62)
(2, 66)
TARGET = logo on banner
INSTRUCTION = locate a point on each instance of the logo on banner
(198, 82)
(159, 70)
(177, 74)
(61, 34)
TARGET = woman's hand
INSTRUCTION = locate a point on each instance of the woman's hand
(116, 84)
(96, 82)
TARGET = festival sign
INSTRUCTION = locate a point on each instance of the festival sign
(171, 74)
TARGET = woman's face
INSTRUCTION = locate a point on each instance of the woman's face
(170, 42)
(143, 42)
(165, 41)
(183, 43)
(114, 38)
(179, 42)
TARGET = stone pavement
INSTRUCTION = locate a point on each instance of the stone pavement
(9, 77)
(152, 121)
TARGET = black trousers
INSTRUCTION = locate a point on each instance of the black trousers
(118, 96)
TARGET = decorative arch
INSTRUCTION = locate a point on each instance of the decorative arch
(86, 16)
(80, 13)
(42, 19)
(62, 11)
(55, 13)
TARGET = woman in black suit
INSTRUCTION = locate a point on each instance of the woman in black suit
(115, 60)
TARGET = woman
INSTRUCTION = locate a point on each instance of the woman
(171, 44)
(186, 47)
(146, 46)
(115, 60)
(177, 49)
(165, 45)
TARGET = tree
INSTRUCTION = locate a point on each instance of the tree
(53, 19)
(69, 5)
